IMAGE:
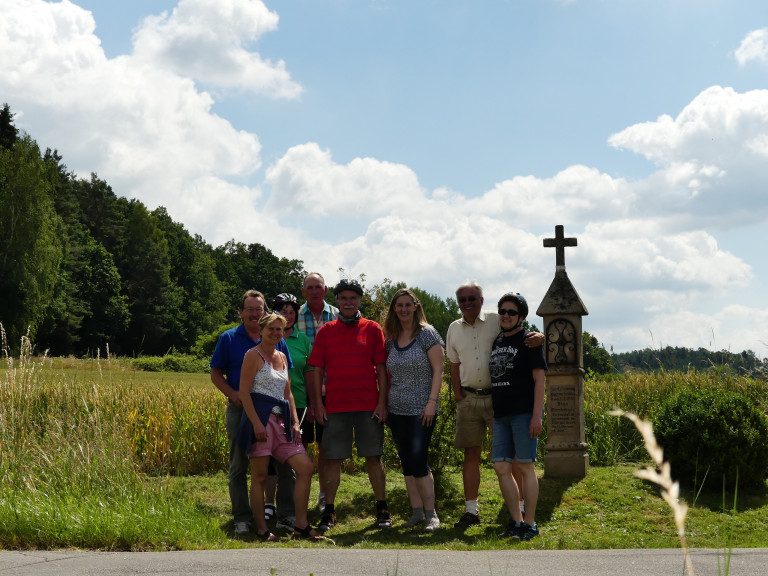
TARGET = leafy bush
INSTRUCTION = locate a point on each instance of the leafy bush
(719, 433)
(206, 343)
(171, 363)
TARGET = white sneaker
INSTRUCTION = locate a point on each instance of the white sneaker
(242, 528)
(433, 523)
(415, 520)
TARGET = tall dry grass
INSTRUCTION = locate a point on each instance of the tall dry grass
(71, 458)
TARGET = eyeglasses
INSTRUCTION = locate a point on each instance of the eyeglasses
(252, 310)
(464, 299)
(505, 311)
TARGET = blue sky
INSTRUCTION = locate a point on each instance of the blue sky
(435, 142)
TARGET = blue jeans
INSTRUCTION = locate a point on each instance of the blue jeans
(412, 443)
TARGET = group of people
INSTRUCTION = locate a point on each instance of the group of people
(322, 373)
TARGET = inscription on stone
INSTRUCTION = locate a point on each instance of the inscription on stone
(562, 416)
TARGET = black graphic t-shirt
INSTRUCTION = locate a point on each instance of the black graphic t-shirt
(512, 364)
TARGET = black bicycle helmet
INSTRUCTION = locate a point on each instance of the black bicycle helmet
(283, 299)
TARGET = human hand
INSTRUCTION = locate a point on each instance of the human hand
(535, 339)
(428, 414)
(380, 413)
(234, 397)
(321, 416)
(535, 427)
(260, 432)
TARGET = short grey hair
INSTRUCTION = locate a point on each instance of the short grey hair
(471, 284)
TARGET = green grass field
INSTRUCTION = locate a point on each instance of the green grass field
(96, 455)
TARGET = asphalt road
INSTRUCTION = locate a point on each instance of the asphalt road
(326, 562)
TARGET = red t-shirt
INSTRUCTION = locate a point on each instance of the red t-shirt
(349, 354)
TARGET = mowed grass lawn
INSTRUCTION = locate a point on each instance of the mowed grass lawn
(610, 508)
(97, 455)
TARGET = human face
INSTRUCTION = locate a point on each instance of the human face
(348, 302)
(508, 316)
(314, 290)
(253, 309)
(405, 308)
(470, 303)
(289, 313)
(273, 333)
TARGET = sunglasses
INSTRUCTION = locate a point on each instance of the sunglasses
(464, 299)
(505, 311)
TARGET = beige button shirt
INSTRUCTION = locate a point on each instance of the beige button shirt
(470, 346)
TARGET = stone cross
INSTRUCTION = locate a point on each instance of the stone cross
(559, 242)
(562, 310)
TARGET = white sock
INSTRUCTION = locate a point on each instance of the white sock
(472, 506)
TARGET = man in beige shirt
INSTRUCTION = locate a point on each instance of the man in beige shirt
(468, 347)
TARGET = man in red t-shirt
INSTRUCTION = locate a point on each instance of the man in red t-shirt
(349, 352)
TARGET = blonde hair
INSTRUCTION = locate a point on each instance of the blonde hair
(392, 326)
(271, 318)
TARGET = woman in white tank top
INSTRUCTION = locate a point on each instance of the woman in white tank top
(265, 391)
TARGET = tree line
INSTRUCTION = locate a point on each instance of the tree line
(83, 269)
(679, 359)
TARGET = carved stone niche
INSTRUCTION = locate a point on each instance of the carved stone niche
(562, 310)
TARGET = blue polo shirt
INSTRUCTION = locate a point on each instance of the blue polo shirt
(230, 351)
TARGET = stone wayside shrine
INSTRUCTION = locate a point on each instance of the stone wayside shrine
(562, 310)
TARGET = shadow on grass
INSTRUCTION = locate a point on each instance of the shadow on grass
(551, 490)
(721, 499)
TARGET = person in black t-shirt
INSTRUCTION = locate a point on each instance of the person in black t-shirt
(517, 391)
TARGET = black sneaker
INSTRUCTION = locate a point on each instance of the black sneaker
(512, 530)
(327, 522)
(527, 532)
(467, 520)
(383, 519)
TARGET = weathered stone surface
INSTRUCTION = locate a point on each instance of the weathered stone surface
(562, 310)
(561, 298)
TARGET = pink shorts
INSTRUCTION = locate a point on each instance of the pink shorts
(276, 445)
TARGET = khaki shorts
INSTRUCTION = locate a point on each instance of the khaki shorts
(473, 415)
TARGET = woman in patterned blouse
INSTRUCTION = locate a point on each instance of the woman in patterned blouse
(415, 366)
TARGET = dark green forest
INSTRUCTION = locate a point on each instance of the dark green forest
(84, 271)
(82, 268)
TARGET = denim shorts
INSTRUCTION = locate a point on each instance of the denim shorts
(511, 438)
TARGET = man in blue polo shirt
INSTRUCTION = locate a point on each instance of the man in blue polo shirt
(226, 363)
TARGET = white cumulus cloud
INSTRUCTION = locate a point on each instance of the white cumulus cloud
(754, 46)
(649, 258)
(208, 41)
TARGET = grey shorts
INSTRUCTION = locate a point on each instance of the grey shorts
(343, 426)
